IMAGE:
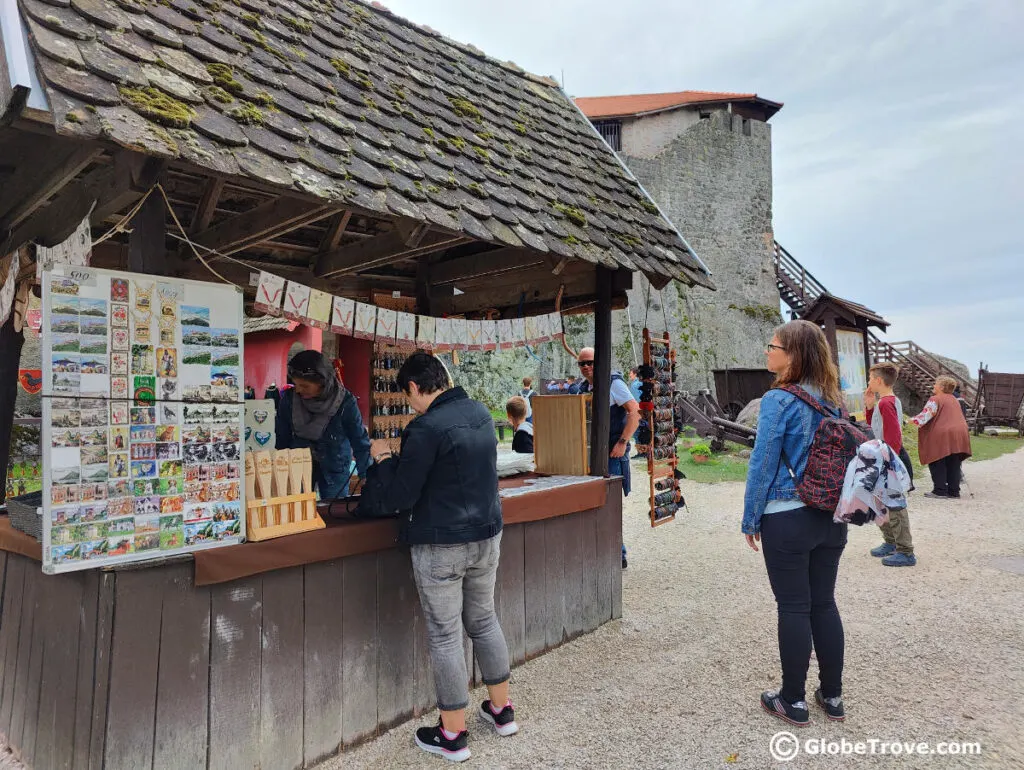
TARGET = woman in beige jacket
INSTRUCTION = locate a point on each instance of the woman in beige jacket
(945, 440)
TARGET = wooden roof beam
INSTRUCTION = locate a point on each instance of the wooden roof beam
(41, 174)
(485, 263)
(268, 220)
(408, 239)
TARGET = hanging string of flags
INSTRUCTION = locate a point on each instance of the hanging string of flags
(278, 296)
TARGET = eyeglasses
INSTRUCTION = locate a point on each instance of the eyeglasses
(772, 347)
(581, 364)
(305, 374)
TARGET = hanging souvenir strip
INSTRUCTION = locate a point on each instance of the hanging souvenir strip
(460, 334)
(269, 294)
(405, 330)
(475, 335)
(387, 321)
(366, 321)
(142, 420)
(505, 340)
(490, 334)
(296, 301)
(343, 316)
(426, 332)
(318, 313)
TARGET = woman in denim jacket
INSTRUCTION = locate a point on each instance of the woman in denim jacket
(802, 546)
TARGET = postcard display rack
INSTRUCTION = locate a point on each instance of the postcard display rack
(657, 401)
(389, 410)
(142, 417)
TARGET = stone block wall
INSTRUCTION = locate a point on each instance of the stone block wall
(713, 179)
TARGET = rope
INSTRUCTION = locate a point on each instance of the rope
(193, 246)
(632, 342)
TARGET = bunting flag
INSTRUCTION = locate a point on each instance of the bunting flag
(277, 296)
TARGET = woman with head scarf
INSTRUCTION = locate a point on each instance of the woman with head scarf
(321, 414)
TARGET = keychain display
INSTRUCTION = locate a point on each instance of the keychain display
(389, 410)
(657, 391)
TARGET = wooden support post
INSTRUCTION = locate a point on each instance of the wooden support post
(147, 249)
(601, 404)
(830, 335)
(10, 356)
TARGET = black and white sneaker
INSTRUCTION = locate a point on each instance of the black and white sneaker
(435, 741)
(795, 714)
(833, 707)
(504, 721)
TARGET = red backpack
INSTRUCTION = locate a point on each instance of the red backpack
(835, 444)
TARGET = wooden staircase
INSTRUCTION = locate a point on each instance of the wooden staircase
(918, 368)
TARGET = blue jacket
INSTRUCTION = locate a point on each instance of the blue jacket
(332, 453)
(784, 423)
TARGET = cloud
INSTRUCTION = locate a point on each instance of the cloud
(896, 162)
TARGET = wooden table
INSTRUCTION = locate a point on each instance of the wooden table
(141, 668)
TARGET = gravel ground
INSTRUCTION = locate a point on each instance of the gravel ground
(934, 653)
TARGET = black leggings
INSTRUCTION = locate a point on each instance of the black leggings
(802, 549)
(946, 475)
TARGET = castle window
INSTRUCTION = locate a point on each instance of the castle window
(611, 132)
(746, 126)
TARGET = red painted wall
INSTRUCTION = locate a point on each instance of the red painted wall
(266, 355)
(356, 356)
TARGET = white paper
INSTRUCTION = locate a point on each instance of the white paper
(343, 316)
(490, 335)
(443, 333)
(296, 301)
(530, 329)
(460, 334)
(269, 294)
(318, 311)
(74, 251)
(405, 330)
(505, 339)
(518, 331)
(426, 332)
(366, 321)
(387, 320)
(555, 319)
(475, 334)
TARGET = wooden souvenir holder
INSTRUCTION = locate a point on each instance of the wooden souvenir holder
(388, 420)
(658, 469)
(287, 503)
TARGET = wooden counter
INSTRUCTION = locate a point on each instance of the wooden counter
(140, 668)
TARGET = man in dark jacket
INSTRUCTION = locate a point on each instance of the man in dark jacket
(444, 483)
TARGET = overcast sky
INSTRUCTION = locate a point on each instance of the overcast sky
(899, 154)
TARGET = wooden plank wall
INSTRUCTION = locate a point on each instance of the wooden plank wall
(139, 669)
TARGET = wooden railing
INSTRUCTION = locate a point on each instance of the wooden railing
(803, 287)
(917, 366)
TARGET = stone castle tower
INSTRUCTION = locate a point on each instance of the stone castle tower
(706, 158)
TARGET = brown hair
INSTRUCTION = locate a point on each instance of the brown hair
(810, 360)
(887, 373)
(527, 382)
(946, 384)
(515, 408)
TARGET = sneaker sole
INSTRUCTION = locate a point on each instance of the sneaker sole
(505, 730)
(460, 755)
(785, 718)
(913, 564)
(828, 716)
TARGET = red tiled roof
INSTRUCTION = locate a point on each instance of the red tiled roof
(637, 104)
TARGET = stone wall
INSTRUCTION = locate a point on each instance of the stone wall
(714, 181)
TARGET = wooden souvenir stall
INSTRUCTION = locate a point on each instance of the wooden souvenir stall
(280, 652)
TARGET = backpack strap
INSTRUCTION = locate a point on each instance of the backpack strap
(812, 402)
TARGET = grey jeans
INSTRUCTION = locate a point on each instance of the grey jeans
(456, 587)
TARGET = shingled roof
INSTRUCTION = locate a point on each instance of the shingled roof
(351, 104)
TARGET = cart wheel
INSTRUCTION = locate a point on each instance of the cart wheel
(717, 445)
(732, 410)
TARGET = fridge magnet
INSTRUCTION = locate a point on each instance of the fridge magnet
(144, 296)
(67, 287)
(195, 356)
(426, 332)
(145, 506)
(296, 301)
(196, 454)
(65, 364)
(143, 451)
(318, 313)
(168, 413)
(269, 294)
(93, 345)
(64, 343)
(366, 321)
(168, 451)
(143, 433)
(118, 438)
(144, 390)
(66, 384)
(118, 463)
(197, 394)
(119, 363)
(92, 308)
(118, 412)
(224, 338)
(343, 316)
(168, 390)
(142, 333)
(146, 542)
(95, 474)
(118, 290)
(143, 415)
(198, 533)
(172, 504)
(120, 505)
(119, 316)
(142, 360)
(65, 418)
(194, 315)
(119, 387)
(119, 339)
(166, 362)
(63, 306)
(94, 437)
(167, 336)
(64, 324)
(170, 469)
(224, 357)
(195, 335)
(262, 438)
